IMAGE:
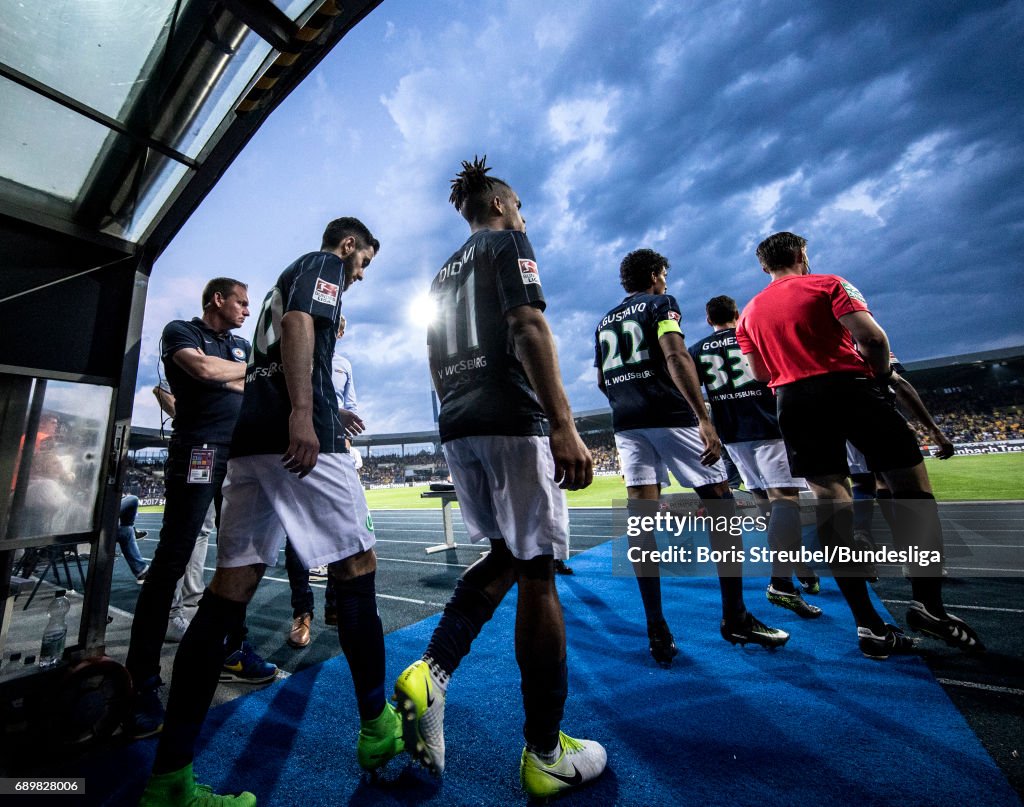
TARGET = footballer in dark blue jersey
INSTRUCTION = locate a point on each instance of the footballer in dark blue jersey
(742, 407)
(288, 476)
(313, 285)
(482, 385)
(743, 410)
(661, 425)
(508, 435)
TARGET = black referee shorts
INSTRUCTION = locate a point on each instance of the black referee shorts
(818, 415)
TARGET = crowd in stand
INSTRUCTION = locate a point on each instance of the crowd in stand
(973, 415)
(144, 480)
(390, 469)
(602, 448)
(966, 414)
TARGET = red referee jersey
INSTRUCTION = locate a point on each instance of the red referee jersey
(794, 325)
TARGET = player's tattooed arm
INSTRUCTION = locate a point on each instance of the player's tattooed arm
(912, 405)
(535, 346)
(297, 341)
(681, 368)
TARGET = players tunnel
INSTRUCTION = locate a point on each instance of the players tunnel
(118, 120)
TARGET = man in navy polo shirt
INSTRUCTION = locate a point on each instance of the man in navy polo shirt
(205, 367)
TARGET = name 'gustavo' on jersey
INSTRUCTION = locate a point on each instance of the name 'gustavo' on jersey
(629, 312)
(627, 350)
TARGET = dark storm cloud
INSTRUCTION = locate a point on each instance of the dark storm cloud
(916, 105)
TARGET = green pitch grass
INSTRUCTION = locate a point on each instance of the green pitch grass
(981, 477)
(976, 478)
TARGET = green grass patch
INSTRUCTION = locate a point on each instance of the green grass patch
(981, 477)
(400, 498)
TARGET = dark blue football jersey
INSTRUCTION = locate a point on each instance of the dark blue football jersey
(313, 285)
(627, 351)
(741, 406)
(484, 388)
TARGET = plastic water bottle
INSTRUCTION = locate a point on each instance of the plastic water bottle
(56, 630)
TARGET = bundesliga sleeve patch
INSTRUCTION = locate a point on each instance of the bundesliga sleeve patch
(528, 270)
(673, 315)
(853, 292)
(326, 293)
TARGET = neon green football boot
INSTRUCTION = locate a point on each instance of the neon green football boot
(180, 789)
(380, 739)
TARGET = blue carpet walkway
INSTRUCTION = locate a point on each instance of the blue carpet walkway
(813, 723)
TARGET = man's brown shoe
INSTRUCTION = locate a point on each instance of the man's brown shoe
(298, 636)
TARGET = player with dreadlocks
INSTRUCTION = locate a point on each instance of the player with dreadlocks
(508, 435)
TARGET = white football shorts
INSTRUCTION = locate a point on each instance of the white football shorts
(506, 490)
(646, 454)
(324, 514)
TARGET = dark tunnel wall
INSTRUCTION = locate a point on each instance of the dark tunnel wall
(76, 326)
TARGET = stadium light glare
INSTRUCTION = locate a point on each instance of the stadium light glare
(422, 311)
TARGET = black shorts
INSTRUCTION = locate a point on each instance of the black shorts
(818, 415)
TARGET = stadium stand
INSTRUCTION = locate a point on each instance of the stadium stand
(977, 399)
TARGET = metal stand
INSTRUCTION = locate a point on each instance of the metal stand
(446, 497)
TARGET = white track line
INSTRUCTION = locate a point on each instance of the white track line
(964, 607)
(324, 585)
(985, 687)
(980, 503)
(949, 556)
(426, 562)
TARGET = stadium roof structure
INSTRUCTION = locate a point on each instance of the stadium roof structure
(593, 420)
(118, 119)
(371, 441)
(949, 371)
(142, 438)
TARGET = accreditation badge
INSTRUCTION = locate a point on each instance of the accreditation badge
(200, 466)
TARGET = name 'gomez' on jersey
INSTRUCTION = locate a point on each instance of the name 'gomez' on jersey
(640, 390)
(313, 285)
(742, 407)
(483, 386)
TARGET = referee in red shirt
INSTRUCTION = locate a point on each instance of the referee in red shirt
(813, 339)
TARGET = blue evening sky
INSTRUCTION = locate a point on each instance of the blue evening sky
(889, 134)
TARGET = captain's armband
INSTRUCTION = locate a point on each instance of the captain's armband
(668, 326)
